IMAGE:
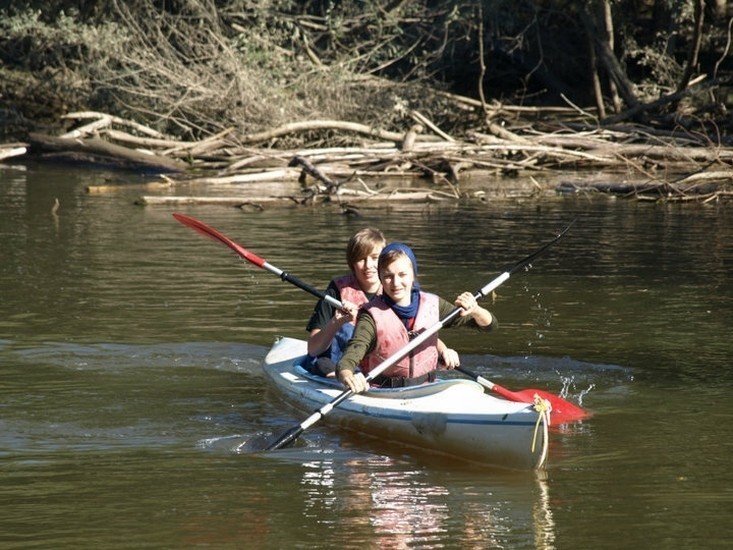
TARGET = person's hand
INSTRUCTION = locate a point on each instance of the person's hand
(349, 312)
(449, 358)
(467, 302)
(355, 382)
(469, 306)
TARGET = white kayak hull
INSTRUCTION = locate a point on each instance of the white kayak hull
(451, 417)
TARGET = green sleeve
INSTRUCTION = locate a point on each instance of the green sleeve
(361, 343)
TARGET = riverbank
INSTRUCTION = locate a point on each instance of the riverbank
(422, 164)
(408, 93)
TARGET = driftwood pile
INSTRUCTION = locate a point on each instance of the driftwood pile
(424, 162)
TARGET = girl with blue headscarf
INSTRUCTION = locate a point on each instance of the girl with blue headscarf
(388, 322)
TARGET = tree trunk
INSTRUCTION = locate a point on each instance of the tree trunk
(607, 58)
(694, 45)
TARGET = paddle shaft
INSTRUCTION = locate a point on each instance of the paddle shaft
(292, 434)
(253, 258)
(477, 377)
(562, 409)
(305, 286)
(506, 393)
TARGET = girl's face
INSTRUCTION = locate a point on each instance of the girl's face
(397, 278)
(365, 271)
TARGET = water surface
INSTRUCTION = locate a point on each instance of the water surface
(130, 371)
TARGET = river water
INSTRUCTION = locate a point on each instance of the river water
(130, 369)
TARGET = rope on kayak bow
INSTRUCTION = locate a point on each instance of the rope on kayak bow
(544, 408)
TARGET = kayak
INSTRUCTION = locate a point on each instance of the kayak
(453, 417)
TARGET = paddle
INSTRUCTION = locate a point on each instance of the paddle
(562, 410)
(293, 433)
(252, 258)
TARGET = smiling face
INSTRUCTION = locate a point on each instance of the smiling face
(362, 255)
(397, 278)
(365, 270)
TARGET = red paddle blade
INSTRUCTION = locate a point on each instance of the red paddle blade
(562, 410)
(212, 233)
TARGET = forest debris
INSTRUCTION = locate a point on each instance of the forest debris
(408, 143)
(91, 128)
(307, 126)
(309, 168)
(201, 147)
(149, 142)
(141, 128)
(10, 150)
(638, 108)
(421, 119)
(699, 192)
(98, 150)
(720, 175)
(169, 200)
(277, 175)
(353, 196)
(225, 160)
(101, 189)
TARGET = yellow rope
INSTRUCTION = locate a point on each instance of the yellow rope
(543, 407)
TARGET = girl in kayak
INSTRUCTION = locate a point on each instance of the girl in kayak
(389, 321)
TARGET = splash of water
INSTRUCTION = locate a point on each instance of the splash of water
(568, 385)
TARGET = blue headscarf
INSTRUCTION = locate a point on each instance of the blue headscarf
(404, 312)
(406, 250)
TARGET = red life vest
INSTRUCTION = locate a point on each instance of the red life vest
(350, 291)
(392, 336)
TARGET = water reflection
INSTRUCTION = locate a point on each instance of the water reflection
(542, 514)
(401, 507)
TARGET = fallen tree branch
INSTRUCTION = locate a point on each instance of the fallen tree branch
(13, 150)
(310, 125)
(669, 98)
(116, 120)
(90, 128)
(100, 151)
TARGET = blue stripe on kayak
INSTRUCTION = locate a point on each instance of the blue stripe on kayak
(449, 420)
